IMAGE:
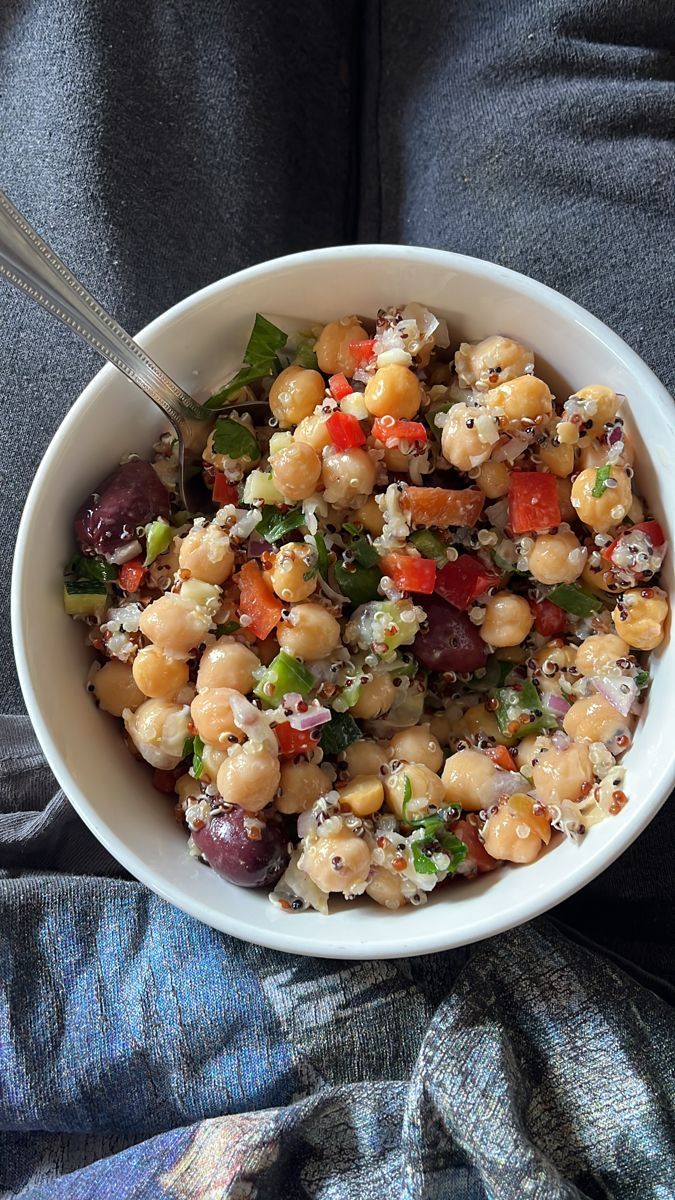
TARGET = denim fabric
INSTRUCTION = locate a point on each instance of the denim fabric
(160, 146)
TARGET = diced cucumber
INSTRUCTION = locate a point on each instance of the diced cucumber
(260, 486)
(84, 598)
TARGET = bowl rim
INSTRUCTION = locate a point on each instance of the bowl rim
(435, 941)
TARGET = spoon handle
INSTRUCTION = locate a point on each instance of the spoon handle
(27, 262)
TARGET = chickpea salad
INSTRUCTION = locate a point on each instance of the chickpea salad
(404, 640)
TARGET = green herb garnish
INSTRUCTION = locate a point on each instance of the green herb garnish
(526, 701)
(449, 844)
(188, 746)
(575, 600)
(601, 476)
(321, 555)
(275, 524)
(353, 529)
(339, 733)
(235, 440)
(364, 552)
(197, 760)
(305, 356)
(228, 627)
(641, 679)
(96, 569)
(260, 356)
(358, 584)
(407, 795)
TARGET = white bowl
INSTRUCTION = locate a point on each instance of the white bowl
(200, 343)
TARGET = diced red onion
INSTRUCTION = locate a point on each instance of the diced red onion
(310, 719)
(256, 549)
(620, 692)
(504, 783)
(557, 704)
(615, 435)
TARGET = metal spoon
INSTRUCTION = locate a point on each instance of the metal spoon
(27, 262)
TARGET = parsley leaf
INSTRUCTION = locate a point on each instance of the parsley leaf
(275, 524)
(322, 555)
(228, 627)
(642, 679)
(235, 440)
(601, 476)
(260, 357)
(407, 795)
(305, 356)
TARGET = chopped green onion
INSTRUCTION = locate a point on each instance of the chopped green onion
(575, 600)
(284, 674)
(364, 552)
(275, 525)
(429, 545)
(601, 476)
(339, 733)
(235, 440)
(421, 862)
(353, 529)
(188, 746)
(407, 795)
(158, 535)
(228, 627)
(322, 554)
(197, 760)
(525, 700)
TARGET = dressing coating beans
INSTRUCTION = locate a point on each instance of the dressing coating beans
(212, 716)
(116, 689)
(640, 617)
(521, 399)
(174, 626)
(493, 361)
(417, 744)
(508, 838)
(158, 676)
(460, 443)
(375, 698)
(249, 777)
(337, 862)
(206, 553)
(599, 652)
(393, 391)
(467, 780)
(296, 471)
(332, 348)
(556, 558)
(347, 474)
(594, 719)
(301, 784)
(313, 431)
(227, 664)
(309, 632)
(159, 730)
(508, 620)
(294, 395)
(605, 511)
(385, 888)
(293, 575)
(561, 774)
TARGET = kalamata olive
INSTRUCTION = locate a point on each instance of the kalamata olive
(249, 851)
(132, 496)
(467, 833)
(449, 641)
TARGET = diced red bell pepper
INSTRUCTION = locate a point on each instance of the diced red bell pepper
(345, 431)
(386, 429)
(410, 573)
(501, 758)
(224, 492)
(362, 351)
(534, 504)
(459, 582)
(549, 619)
(339, 386)
(257, 601)
(651, 529)
(294, 741)
(131, 575)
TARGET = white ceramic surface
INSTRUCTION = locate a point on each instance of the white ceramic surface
(200, 343)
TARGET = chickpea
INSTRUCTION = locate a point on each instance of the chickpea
(441, 725)
(158, 676)
(227, 664)
(370, 516)
(396, 460)
(174, 626)
(332, 349)
(440, 374)
(559, 460)
(467, 778)
(606, 405)
(556, 558)
(599, 652)
(116, 689)
(521, 399)
(493, 479)
(212, 716)
(213, 758)
(206, 553)
(527, 750)
(313, 431)
(601, 512)
(386, 888)
(294, 395)
(187, 789)
(375, 698)
(363, 795)
(426, 790)
(417, 744)
(366, 757)
(337, 863)
(249, 777)
(508, 620)
(594, 719)
(561, 774)
(158, 730)
(639, 617)
(477, 722)
(564, 489)
(493, 361)
(301, 785)
(503, 841)
(554, 661)
(347, 474)
(460, 442)
(393, 391)
(293, 575)
(309, 632)
(296, 471)
(598, 576)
